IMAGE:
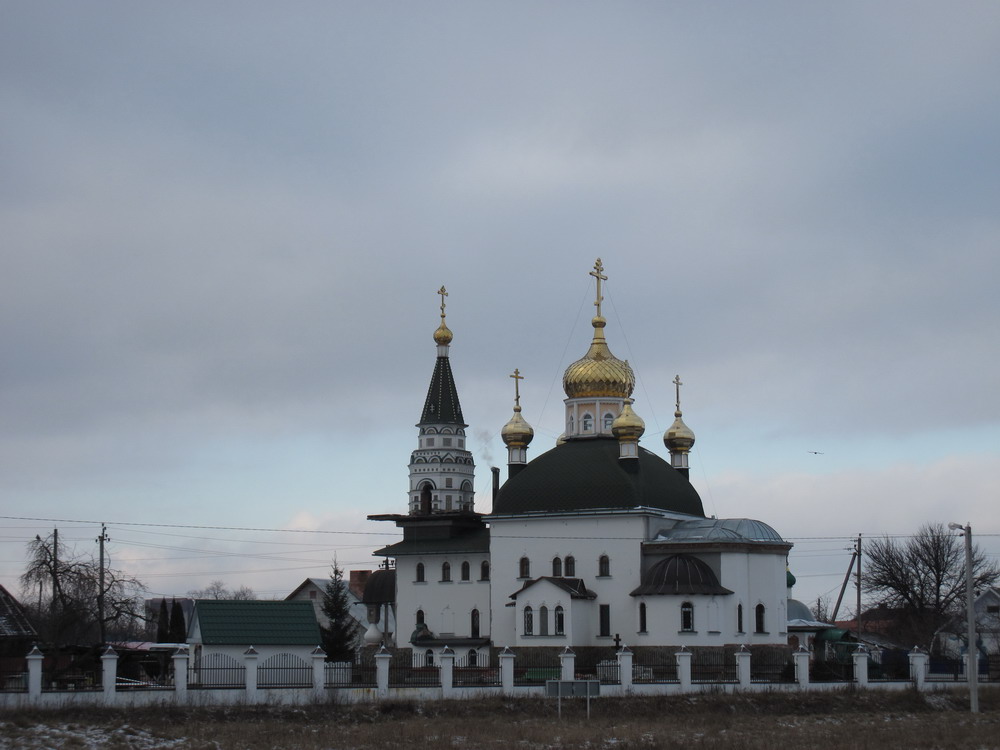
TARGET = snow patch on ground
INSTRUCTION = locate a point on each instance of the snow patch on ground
(41, 737)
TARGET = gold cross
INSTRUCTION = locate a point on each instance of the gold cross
(517, 392)
(444, 293)
(677, 386)
(598, 273)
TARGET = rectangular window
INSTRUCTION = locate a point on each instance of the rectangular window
(430, 442)
(605, 620)
(447, 442)
(447, 483)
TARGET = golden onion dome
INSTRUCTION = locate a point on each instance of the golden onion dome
(517, 432)
(599, 373)
(678, 438)
(443, 335)
(628, 425)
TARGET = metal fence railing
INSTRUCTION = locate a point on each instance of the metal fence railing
(403, 674)
(216, 671)
(714, 666)
(284, 671)
(13, 674)
(653, 665)
(536, 666)
(771, 666)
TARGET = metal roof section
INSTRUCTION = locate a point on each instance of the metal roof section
(442, 405)
(586, 474)
(720, 530)
(13, 622)
(380, 588)
(260, 623)
(575, 587)
(679, 575)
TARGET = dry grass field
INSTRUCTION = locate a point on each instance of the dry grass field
(841, 721)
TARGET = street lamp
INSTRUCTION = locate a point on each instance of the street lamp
(972, 653)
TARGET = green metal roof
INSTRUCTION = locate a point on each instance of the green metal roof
(257, 623)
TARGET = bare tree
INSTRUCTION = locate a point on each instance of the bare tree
(919, 582)
(62, 588)
(218, 590)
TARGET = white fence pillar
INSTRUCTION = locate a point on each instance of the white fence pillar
(35, 659)
(319, 670)
(743, 666)
(506, 657)
(250, 662)
(918, 667)
(382, 658)
(684, 669)
(109, 674)
(625, 668)
(180, 665)
(567, 660)
(861, 666)
(801, 658)
(447, 667)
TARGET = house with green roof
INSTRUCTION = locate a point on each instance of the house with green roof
(231, 627)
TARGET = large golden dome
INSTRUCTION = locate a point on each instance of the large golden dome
(599, 373)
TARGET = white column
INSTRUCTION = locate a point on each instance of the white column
(180, 665)
(743, 666)
(109, 674)
(861, 666)
(684, 669)
(446, 662)
(918, 667)
(507, 670)
(250, 662)
(625, 668)
(35, 659)
(382, 659)
(319, 670)
(801, 658)
(567, 659)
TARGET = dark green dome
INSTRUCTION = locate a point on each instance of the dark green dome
(587, 475)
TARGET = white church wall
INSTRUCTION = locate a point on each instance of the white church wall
(447, 605)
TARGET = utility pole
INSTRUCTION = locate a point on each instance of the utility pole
(972, 652)
(55, 569)
(859, 586)
(100, 582)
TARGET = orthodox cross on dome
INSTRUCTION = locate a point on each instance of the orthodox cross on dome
(517, 392)
(444, 293)
(598, 273)
(677, 387)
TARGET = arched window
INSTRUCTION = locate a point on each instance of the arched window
(758, 618)
(473, 660)
(739, 618)
(560, 623)
(445, 571)
(465, 570)
(484, 571)
(428, 658)
(687, 617)
(556, 567)
(420, 617)
(642, 617)
(588, 423)
(543, 621)
(529, 621)
(603, 566)
(425, 499)
(524, 568)
(420, 572)
(570, 566)
(608, 419)
(474, 624)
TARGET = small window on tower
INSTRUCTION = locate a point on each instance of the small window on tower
(608, 419)
(430, 442)
(588, 423)
(447, 442)
(448, 483)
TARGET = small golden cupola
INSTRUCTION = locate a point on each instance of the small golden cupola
(678, 438)
(628, 428)
(517, 433)
(443, 334)
(596, 385)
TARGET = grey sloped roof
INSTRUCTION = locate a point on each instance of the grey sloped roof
(720, 529)
(575, 587)
(13, 623)
(380, 587)
(257, 623)
(587, 474)
(442, 405)
(679, 575)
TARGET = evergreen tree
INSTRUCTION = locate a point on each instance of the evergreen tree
(163, 624)
(178, 630)
(339, 637)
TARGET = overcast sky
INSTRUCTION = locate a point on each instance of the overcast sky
(223, 227)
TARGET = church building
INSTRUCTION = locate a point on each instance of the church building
(595, 542)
